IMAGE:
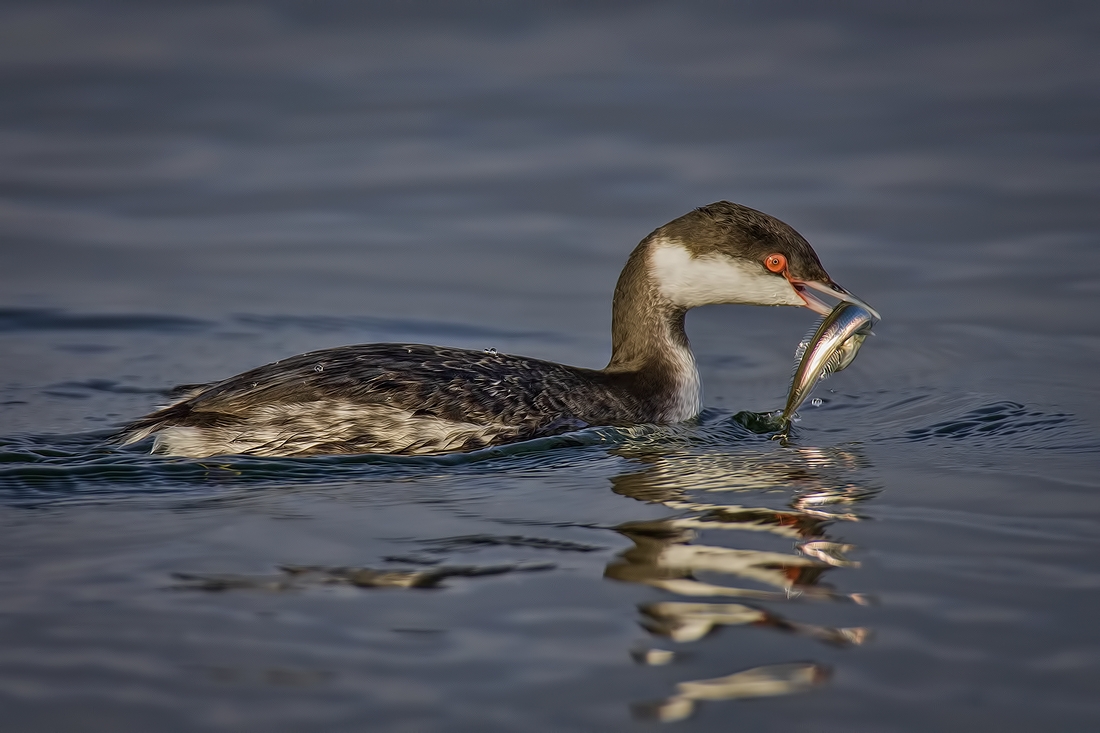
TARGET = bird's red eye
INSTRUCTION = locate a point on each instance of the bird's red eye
(775, 262)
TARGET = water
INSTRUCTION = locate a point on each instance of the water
(190, 192)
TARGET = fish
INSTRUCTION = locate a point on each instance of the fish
(833, 346)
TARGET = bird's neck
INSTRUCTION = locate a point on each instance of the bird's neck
(648, 338)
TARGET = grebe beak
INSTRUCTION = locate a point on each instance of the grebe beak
(816, 304)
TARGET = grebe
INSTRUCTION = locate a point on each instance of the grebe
(415, 399)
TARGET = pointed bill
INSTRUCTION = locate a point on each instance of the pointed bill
(816, 304)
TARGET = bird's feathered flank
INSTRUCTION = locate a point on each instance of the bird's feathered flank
(386, 398)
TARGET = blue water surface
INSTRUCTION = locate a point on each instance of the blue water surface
(189, 191)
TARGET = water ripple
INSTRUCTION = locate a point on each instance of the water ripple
(402, 326)
(1008, 424)
(49, 319)
(87, 466)
(37, 469)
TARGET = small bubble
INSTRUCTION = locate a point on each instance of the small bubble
(816, 402)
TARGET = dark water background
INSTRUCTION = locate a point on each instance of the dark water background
(188, 191)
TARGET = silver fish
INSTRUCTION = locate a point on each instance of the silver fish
(832, 347)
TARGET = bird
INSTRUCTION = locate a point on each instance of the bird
(415, 399)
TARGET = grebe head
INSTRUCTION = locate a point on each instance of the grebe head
(728, 253)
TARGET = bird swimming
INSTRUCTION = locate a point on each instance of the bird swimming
(414, 399)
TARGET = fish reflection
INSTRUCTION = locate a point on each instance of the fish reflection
(669, 554)
(692, 621)
(778, 679)
(669, 560)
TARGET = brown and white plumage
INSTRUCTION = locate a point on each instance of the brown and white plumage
(417, 399)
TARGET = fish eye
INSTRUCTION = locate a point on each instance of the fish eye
(775, 262)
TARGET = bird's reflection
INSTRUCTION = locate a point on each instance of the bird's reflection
(695, 554)
(745, 532)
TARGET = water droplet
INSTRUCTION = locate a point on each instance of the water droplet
(319, 368)
(816, 402)
(490, 350)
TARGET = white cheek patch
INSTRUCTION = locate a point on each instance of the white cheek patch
(690, 282)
